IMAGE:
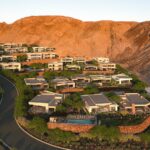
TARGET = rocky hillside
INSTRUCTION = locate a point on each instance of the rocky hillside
(125, 42)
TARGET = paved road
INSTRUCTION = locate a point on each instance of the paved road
(9, 131)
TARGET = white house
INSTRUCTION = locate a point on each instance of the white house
(47, 100)
(11, 66)
(62, 83)
(95, 103)
(8, 58)
(43, 55)
(134, 102)
(107, 66)
(38, 83)
(122, 79)
(80, 59)
(42, 49)
(73, 67)
(16, 50)
(100, 79)
(102, 59)
(67, 60)
(55, 66)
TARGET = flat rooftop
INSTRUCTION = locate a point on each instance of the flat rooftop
(50, 99)
(37, 80)
(137, 99)
(95, 99)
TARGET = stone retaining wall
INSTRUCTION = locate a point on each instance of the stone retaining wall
(135, 128)
(77, 128)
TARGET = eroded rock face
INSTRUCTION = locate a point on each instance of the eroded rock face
(125, 42)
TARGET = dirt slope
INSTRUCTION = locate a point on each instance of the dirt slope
(125, 42)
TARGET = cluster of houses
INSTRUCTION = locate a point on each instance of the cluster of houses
(98, 71)
(70, 63)
(133, 103)
(46, 102)
(10, 51)
(79, 81)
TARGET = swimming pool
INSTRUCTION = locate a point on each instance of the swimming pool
(79, 121)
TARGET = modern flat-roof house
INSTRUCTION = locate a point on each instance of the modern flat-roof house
(72, 67)
(134, 103)
(107, 66)
(81, 80)
(10, 45)
(42, 49)
(38, 83)
(47, 100)
(67, 60)
(43, 55)
(11, 66)
(39, 49)
(34, 56)
(60, 83)
(8, 58)
(16, 50)
(95, 103)
(100, 80)
(102, 59)
(90, 67)
(80, 59)
(122, 79)
(55, 66)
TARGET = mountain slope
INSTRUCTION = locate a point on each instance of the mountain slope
(68, 35)
(125, 42)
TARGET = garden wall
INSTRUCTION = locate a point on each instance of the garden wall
(70, 127)
(135, 128)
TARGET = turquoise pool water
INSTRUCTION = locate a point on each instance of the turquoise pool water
(81, 121)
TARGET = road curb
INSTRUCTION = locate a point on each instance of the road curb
(33, 137)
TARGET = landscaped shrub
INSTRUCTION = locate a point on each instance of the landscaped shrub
(103, 132)
(38, 124)
(59, 135)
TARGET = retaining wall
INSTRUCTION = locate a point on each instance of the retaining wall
(77, 128)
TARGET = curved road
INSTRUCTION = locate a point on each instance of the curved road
(9, 131)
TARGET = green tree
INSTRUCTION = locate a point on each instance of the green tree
(113, 97)
(73, 102)
(91, 89)
(30, 49)
(22, 58)
(38, 66)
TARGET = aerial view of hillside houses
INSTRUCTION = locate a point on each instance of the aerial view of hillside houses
(74, 94)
